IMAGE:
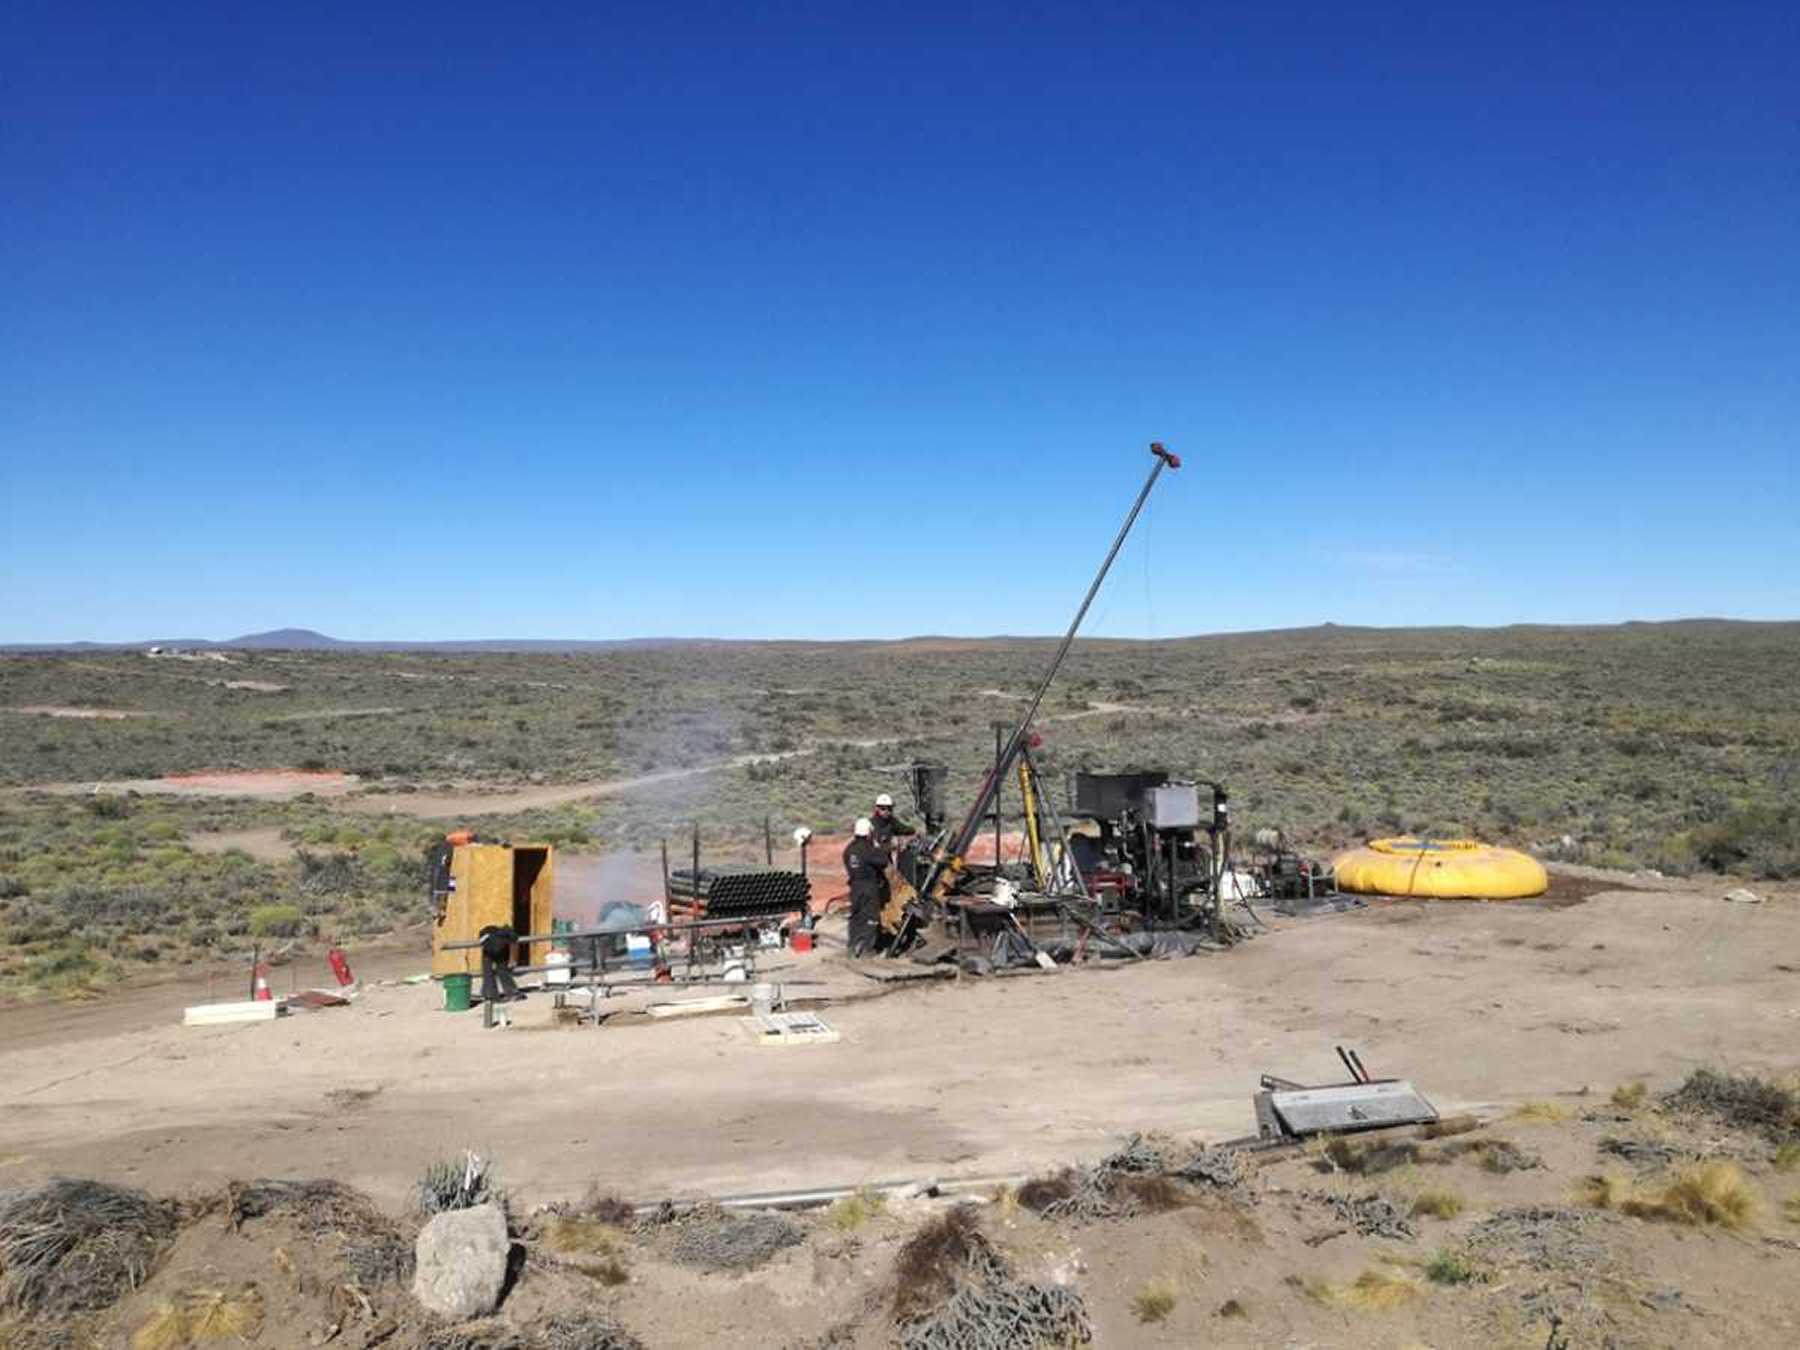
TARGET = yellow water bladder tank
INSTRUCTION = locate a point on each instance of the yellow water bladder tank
(1443, 869)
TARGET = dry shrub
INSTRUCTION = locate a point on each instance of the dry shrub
(1450, 1267)
(606, 1207)
(1151, 1195)
(593, 1330)
(953, 1291)
(1790, 1209)
(1039, 1194)
(1787, 1158)
(375, 1250)
(1630, 1096)
(199, 1317)
(1371, 1159)
(1154, 1302)
(1437, 1203)
(1231, 1307)
(1371, 1291)
(1744, 1102)
(1084, 1194)
(934, 1259)
(71, 1246)
(455, 1183)
(1703, 1195)
(720, 1239)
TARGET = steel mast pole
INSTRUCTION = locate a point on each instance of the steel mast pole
(990, 787)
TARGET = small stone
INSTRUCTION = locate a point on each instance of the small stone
(1743, 897)
(462, 1256)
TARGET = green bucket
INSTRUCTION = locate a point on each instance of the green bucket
(456, 992)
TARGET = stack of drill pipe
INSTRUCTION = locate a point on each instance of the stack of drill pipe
(736, 893)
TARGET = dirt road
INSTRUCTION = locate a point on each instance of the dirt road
(1477, 1004)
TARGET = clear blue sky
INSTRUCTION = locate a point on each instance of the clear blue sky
(596, 320)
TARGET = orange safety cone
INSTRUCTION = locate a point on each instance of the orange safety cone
(260, 985)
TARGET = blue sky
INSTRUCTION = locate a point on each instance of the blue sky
(600, 320)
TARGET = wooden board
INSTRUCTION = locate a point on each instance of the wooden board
(219, 1014)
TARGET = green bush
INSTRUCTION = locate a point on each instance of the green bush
(276, 921)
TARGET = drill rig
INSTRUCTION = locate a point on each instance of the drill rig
(939, 871)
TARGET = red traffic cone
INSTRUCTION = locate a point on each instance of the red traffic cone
(260, 985)
(340, 967)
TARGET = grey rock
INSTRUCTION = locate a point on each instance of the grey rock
(1743, 897)
(462, 1257)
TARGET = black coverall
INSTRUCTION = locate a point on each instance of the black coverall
(886, 826)
(496, 964)
(865, 863)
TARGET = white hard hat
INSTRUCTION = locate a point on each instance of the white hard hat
(863, 828)
(801, 835)
(884, 800)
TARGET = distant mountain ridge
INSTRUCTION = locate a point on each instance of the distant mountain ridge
(310, 639)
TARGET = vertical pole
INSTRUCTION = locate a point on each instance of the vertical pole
(696, 858)
(972, 822)
(768, 843)
(255, 961)
(999, 789)
(668, 895)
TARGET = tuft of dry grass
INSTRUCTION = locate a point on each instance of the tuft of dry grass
(1372, 1291)
(855, 1209)
(1438, 1203)
(217, 1316)
(1604, 1190)
(1154, 1302)
(1630, 1096)
(568, 1235)
(1231, 1307)
(1787, 1158)
(1709, 1194)
(200, 1317)
(1706, 1194)
(1544, 1112)
(1790, 1209)
(1450, 1267)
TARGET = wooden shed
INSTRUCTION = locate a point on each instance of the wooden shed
(503, 885)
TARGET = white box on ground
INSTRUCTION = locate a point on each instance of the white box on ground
(217, 1014)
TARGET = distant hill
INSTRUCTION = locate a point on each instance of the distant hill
(309, 639)
(286, 640)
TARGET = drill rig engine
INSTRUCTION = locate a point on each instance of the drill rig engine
(1156, 846)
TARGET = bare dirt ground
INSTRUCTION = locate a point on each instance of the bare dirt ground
(264, 843)
(262, 784)
(1484, 1007)
(88, 714)
(1480, 1004)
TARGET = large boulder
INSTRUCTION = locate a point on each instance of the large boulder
(462, 1262)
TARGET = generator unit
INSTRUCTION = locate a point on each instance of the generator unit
(1154, 844)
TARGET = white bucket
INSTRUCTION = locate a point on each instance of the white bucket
(558, 972)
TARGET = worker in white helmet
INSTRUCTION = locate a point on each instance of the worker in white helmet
(885, 825)
(865, 865)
